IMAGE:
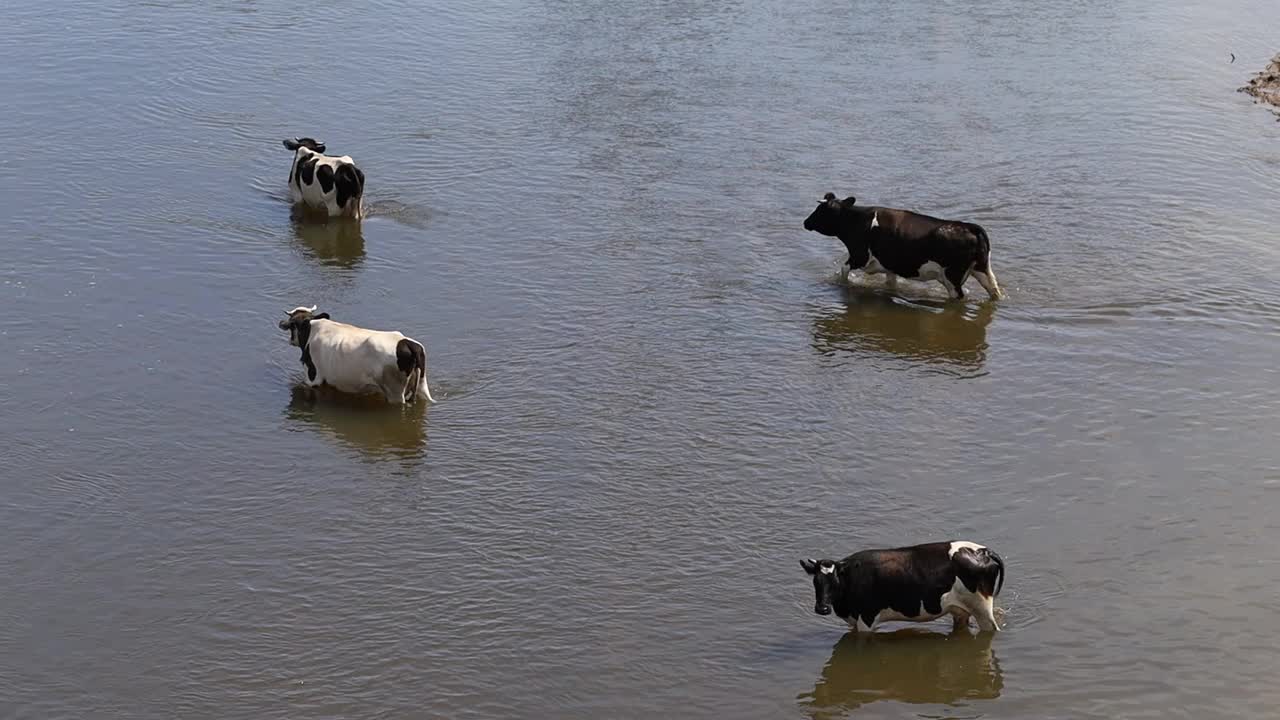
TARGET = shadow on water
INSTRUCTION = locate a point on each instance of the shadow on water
(911, 665)
(951, 333)
(367, 424)
(336, 242)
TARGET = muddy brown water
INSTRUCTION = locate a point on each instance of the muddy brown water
(654, 395)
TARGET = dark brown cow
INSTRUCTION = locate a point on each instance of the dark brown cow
(907, 244)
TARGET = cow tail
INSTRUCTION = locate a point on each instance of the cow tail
(419, 374)
(982, 256)
(1000, 570)
(420, 356)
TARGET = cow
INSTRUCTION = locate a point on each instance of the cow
(324, 182)
(901, 243)
(355, 360)
(917, 584)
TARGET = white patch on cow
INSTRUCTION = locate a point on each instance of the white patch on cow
(827, 569)
(301, 308)
(960, 600)
(985, 614)
(959, 597)
(964, 545)
(845, 271)
(929, 271)
(891, 615)
(875, 221)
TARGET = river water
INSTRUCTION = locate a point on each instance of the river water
(655, 393)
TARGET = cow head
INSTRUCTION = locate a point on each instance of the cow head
(306, 142)
(830, 215)
(826, 580)
(299, 324)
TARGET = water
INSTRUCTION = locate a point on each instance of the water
(655, 396)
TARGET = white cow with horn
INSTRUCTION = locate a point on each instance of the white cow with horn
(355, 360)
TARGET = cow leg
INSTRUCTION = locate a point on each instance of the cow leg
(959, 619)
(988, 282)
(891, 281)
(953, 281)
(984, 613)
(391, 390)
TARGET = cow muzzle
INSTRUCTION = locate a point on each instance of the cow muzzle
(822, 609)
(808, 224)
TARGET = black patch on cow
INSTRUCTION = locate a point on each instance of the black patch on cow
(307, 171)
(324, 174)
(981, 570)
(955, 275)
(405, 359)
(306, 360)
(303, 327)
(409, 357)
(306, 142)
(350, 183)
(981, 263)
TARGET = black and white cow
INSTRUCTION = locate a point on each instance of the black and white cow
(918, 584)
(907, 244)
(325, 182)
(356, 360)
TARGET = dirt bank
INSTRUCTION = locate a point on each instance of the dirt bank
(1265, 86)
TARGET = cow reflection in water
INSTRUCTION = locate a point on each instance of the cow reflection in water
(869, 321)
(337, 241)
(913, 665)
(366, 424)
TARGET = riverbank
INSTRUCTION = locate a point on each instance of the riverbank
(1265, 86)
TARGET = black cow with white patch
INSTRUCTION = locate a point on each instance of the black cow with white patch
(329, 183)
(916, 584)
(905, 244)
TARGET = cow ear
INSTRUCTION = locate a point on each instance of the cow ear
(291, 144)
(321, 316)
(850, 200)
(320, 147)
(810, 565)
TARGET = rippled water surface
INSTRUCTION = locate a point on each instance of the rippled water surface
(655, 395)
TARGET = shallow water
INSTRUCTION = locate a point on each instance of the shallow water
(655, 396)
